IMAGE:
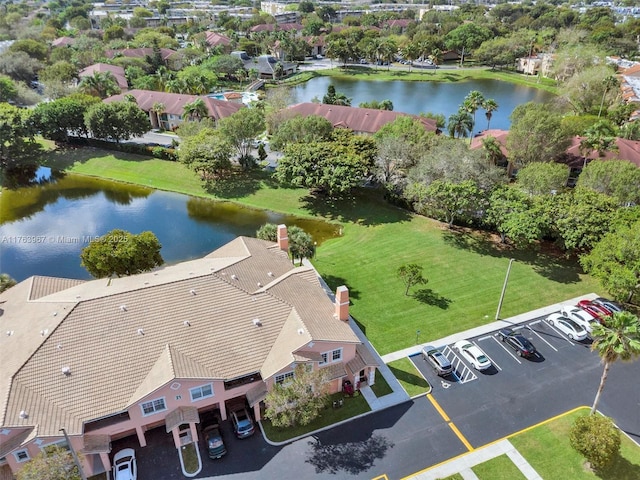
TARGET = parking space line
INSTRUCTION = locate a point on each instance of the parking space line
(461, 437)
(485, 337)
(437, 406)
(492, 361)
(505, 349)
(381, 477)
(559, 333)
(465, 374)
(540, 337)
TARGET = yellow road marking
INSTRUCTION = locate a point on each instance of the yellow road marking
(381, 477)
(460, 436)
(437, 406)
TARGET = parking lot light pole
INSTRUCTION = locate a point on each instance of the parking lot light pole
(417, 336)
(74, 454)
(504, 289)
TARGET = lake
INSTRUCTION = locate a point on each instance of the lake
(436, 97)
(44, 227)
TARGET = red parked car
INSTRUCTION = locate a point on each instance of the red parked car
(598, 311)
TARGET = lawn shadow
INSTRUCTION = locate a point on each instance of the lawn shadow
(410, 378)
(361, 326)
(428, 296)
(334, 282)
(364, 206)
(620, 469)
(237, 185)
(546, 260)
(65, 156)
(352, 457)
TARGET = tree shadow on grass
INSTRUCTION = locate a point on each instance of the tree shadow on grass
(334, 282)
(409, 378)
(236, 185)
(352, 457)
(363, 207)
(545, 260)
(428, 296)
(620, 469)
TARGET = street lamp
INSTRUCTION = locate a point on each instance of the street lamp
(417, 336)
(74, 454)
(504, 289)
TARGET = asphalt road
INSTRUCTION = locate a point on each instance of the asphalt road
(405, 439)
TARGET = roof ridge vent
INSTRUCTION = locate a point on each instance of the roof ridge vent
(300, 331)
(24, 414)
(186, 323)
(9, 333)
(257, 322)
(123, 308)
(270, 274)
(66, 371)
(192, 291)
(140, 331)
(44, 332)
(234, 277)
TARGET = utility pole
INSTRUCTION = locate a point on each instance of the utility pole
(74, 454)
(504, 289)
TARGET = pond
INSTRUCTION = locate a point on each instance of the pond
(435, 97)
(44, 227)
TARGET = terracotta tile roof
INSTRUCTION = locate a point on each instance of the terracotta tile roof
(174, 102)
(632, 70)
(63, 42)
(499, 135)
(214, 39)
(335, 370)
(256, 394)
(364, 120)
(181, 415)
(363, 359)
(401, 22)
(15, 441)
(140, 53)
(118, 73)
(189, 320)
(43, 286)
(627, 150)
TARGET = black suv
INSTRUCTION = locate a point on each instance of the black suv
(213, 437)
(440, 364)
(522, 346)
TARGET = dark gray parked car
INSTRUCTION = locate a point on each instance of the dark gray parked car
(434, 357)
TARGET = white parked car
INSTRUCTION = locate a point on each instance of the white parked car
(580, 316)
(124, 465)
(570, 328)
(473, 354)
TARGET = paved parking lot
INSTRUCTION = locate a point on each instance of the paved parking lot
(518, 392)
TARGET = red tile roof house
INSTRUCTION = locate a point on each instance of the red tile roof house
(215, 39)
(360, 120)
(118, 73)
(107, 359)
(174, 104)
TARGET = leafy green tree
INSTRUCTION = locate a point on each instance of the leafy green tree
(300, 244)
(444, 199)
(19, 66)
(339, 49)
(376, 105)
(225, 66)
(241, 129)
(536, 134)
(121, 253)
(584, 90)
(597, 439)
(615, 261)
(511, 213)
(208, 153)
(543, 178)
(617, 178)
(6, 282)
(335, 98)
(411, 275)
(467, 37)
(52, 463)
(297, 401)
(63, 117)
(493, 151)
(33, 48)
(117, 121)
(62, 71)
(268, 231)
(17, 141)
(599, 137)
(618, 340)
(100, 84)
(301, 129)
(8, 90)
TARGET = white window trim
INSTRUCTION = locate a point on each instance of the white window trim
(286, 378)
(144, 414)
(202, 395)
(18, 452)
(329, 355)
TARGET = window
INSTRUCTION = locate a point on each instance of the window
(60, 443)
(332, 356)
(204, 391)
(284, 378)
(154, 406)
(21, 456)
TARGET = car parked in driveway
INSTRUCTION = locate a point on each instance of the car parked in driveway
(608, 304)
(579, 316)
(243, 425)
(598, 311)
(473, 354)
(436, 359)
(124, 465)
(213, 439)
(518, 342)
(570, 328)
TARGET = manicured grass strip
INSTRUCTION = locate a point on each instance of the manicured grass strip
(351, 407)
(498, 467)
(409, 377)
(455, 476)
(381, 387)
(547, 449)
(190, 457)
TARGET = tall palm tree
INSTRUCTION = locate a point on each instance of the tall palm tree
(100, 84)
(489, 106)
(618, 340)
(410, 52)
(610, 82)
(157, 109)
(472, 102)
(196, 110)
(460, 124)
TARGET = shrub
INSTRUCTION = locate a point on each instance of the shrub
(597, 439)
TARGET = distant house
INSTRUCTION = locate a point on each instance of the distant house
(272, 27)
(113, 359)
(63, 42)
(172, 114)
(215, 39)
(630, 87)
(142, 53)
(116, 71)
(360, 120)
(535, 64)
(265, 64)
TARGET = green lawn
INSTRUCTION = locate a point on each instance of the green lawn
(381, 387)
(547, 449)
(351, 407)
(497, 468)
(409, 377)
(465, 270)
(455, 476)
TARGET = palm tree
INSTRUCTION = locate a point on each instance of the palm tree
(610, 82)
(410, 52)
(100, 84)
(600, 137)
(618, 340)
(241, 75)
(157, 109)
(489, 106)
(472, 102)
(196, 110)
(460, 124)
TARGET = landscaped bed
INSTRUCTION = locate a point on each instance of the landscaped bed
(190, 459)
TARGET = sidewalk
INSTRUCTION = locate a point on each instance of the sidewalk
(464, 463)
(484, 329)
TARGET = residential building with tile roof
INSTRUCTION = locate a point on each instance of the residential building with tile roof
(174, 104)
(110, 358)
(116, 71)
(360, 120)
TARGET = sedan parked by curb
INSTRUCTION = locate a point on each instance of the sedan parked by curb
(518, 342)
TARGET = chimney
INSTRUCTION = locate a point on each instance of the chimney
(283, 238)
(342, 303)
